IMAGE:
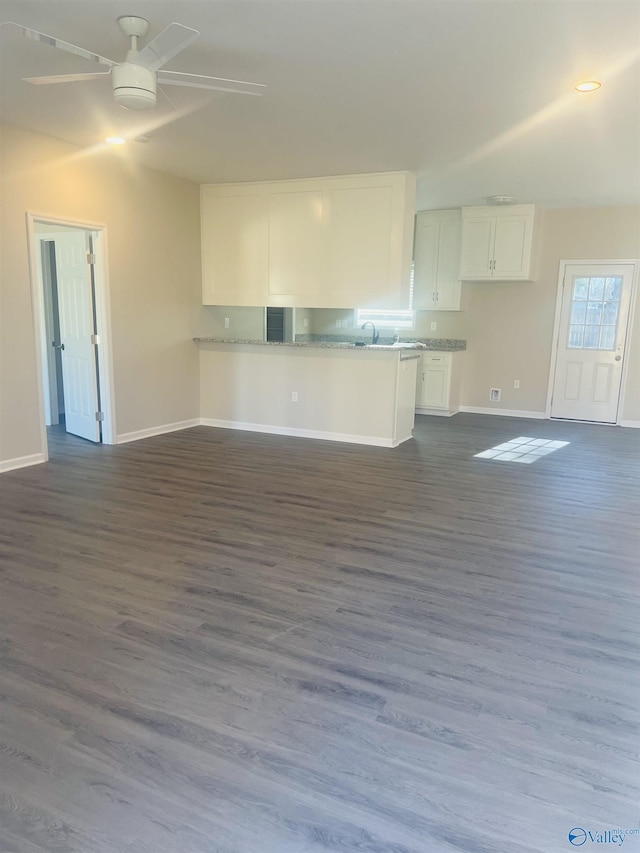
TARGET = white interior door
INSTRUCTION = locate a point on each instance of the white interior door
(75, 304)
(591, 340)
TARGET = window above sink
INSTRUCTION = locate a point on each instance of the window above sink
(402, 319)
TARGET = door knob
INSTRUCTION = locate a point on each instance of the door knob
(57, 346)
(618, 358)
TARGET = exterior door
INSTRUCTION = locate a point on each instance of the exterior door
(75, 304)
(591, 340)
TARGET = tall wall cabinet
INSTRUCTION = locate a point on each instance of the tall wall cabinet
(342, 242)
(437, 260)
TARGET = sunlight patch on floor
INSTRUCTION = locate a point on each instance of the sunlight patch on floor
(522, 449)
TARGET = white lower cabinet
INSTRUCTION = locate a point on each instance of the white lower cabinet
(438, 383)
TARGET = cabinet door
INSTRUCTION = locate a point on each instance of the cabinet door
(338, 242)
(512, 250)
(436, 285)
(436, 376)
(359, 245)
(477, 247)
(447, 278)
(296, 246)
(425, 259)
(235, 249)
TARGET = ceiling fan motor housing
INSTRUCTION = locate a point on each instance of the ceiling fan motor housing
(134, 87)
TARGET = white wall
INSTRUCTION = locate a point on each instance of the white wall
(153, 235)
(244, 323)
(510, 326)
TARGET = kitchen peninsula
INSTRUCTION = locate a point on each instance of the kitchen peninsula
(333, 391)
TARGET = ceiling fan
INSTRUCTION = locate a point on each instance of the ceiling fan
(135, 80)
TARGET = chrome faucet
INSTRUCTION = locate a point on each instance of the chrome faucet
(376, 337)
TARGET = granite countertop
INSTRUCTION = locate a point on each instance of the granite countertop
(327, 342)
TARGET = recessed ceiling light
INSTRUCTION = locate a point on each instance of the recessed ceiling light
(588, 86)
(115, 140)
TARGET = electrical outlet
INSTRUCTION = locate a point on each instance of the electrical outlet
(306, 323)
(226, 322)
(338, 324)
(434, 326)
(516, 383)
(494, 394)
(294, 396)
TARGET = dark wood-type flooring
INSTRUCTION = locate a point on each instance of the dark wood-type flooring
(222, 641)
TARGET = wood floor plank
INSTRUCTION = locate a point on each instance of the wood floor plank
(221, 642)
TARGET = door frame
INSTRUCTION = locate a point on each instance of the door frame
(103, 316)
(556, 329)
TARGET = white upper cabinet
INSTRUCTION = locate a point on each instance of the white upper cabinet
(235, 247)
(498, 243)
(436, 283)
(296, 245)
(342, 242)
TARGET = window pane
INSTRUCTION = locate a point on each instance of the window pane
(594, 313)
(596, 288)
(591, 337)
(579, 312)
(576, 337)
(612, 287)
(607, 337)
(610, 313)
(580, 288)
(385, 319)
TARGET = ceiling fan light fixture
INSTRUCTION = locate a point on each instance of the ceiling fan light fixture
(135, 79)
(134, 87)
(588, 86)
(115, 140)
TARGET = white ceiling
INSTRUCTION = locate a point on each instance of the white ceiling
(475, 96)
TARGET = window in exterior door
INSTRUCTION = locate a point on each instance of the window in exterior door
(594, 312)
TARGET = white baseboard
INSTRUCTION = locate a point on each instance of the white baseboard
(21, 462)
(630, 424)
(439, 413)
(373, 440)
(507, 413)
(125, 437)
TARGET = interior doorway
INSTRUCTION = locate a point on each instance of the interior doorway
(592, 320)
(71, 304)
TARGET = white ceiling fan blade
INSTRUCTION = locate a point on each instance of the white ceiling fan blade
(63, 45)
(220, 84)
(65, 78)
(165, 46)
